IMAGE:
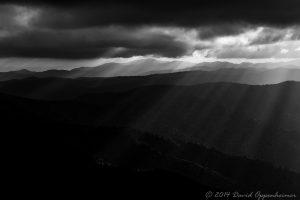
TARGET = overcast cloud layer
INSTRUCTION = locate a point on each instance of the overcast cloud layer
(215, 29)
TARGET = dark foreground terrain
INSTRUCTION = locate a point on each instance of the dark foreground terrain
(56, 158)
(155, 140)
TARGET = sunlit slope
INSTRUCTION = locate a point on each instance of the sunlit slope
(257, 121)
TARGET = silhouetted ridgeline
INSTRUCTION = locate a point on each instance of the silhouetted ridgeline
(247, 75)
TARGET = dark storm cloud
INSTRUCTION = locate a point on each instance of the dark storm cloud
(184, 13)
(213, 31)
(83, 29)
(90, 43)
(272, 35)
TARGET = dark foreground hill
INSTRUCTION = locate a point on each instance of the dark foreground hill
(77, 159)
(223, 135)
(260, 122)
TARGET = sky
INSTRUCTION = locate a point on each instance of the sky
(89, 33)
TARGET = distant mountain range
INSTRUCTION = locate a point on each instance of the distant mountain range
(64, 88)
(247, 73)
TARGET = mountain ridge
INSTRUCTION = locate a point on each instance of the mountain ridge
(151, 66)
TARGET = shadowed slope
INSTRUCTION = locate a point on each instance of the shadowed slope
(260, 122)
